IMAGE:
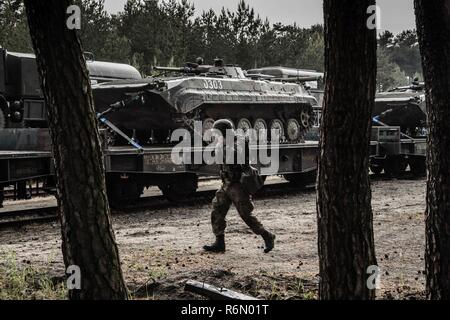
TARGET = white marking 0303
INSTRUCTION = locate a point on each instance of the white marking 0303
(212, 84)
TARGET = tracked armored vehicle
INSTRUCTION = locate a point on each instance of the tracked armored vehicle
(399, 125)
(196, 92)
(21, 99)
(404, 107)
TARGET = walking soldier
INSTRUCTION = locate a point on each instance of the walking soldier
(234, 191)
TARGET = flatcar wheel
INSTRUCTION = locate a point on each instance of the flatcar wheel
(123, 191)
(395, 166)
(376, 169)
(293, 130)
(177, 190)
(418, 166)
(174, 193)
(376, 166)
(277, 128)
(260, 127)
(303, 179)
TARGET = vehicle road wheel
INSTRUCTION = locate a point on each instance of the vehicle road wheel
(293, 130)
(207, 127)
(244, 124)
(260, 126)
(208, 124)
(276, 125)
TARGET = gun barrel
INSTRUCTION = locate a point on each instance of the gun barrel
(171, 69)
(297, 79)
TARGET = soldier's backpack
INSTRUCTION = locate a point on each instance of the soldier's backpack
(251, 181)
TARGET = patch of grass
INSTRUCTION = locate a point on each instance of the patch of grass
(297, 287)
(275, 292)
(310, 295)
(27, 282)
(275, 286)
(157, 273)
(148, 290)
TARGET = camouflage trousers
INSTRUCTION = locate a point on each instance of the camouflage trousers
(234, 194)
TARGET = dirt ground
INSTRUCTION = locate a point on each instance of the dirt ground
(161, 249)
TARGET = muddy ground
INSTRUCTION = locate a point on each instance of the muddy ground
(161, 249)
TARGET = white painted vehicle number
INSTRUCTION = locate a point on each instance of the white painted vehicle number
(212, 84)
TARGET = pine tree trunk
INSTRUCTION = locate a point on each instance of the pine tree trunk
(2, 196)
(433, 26)
(345, 221)
(88, 238)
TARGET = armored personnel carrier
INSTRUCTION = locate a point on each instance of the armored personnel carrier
(404, 107)
(179, 96)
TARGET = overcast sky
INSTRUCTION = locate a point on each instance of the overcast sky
(396, 15)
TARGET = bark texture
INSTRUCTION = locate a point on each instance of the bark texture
(345, 221)
(433, 26)
(88, 238)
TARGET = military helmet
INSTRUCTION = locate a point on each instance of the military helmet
(223, 125)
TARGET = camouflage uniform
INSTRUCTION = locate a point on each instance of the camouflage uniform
(236, 190)
(232, 192)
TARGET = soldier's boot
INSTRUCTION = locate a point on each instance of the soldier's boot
(269, 240)
(218, 246)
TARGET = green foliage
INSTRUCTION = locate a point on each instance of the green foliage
(389, 74)
(168, 33)
(402, 50)
(27, 283)
(14, 33)
(99, 32)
